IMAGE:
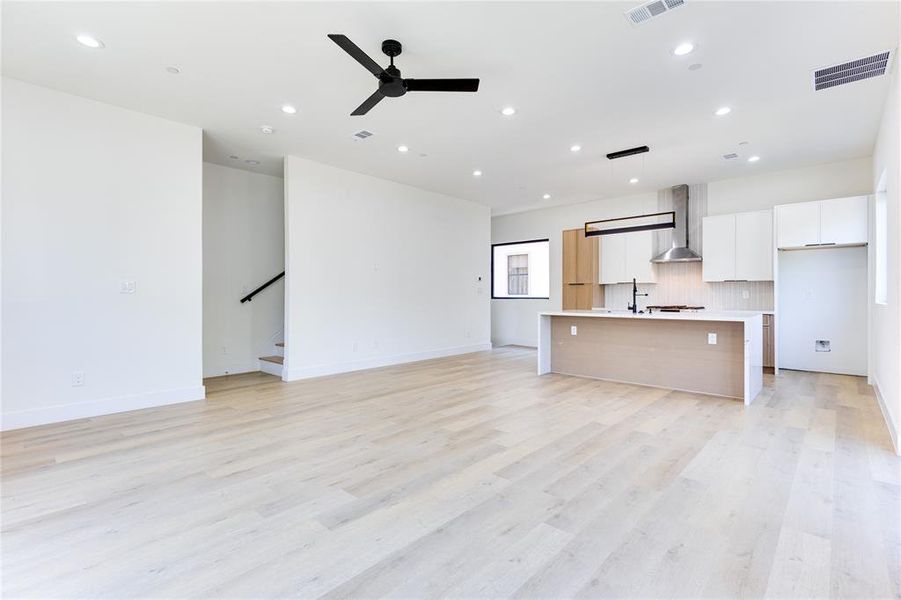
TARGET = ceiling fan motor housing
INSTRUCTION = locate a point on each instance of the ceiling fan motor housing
(392, 48)
(391, 84)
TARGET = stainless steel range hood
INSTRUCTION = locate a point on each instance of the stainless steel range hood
(680, 252)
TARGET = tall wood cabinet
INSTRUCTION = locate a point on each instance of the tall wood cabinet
(581, 290)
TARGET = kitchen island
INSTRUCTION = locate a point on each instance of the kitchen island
(717, 353)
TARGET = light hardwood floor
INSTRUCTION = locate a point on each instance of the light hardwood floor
(466, 477)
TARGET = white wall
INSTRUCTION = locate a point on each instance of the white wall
(243, 247)
(379, 273)
(94, 195)
(885, 323)
(758, 192)
(515, 321)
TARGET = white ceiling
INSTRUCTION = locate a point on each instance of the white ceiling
(576, 72)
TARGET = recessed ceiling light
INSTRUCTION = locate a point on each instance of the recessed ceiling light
(547, 196)
(173, 70)
(575, 148)
(402, 148)
(683, 48)
(723, 110)
(252, 162)
(89, 41)
(476, 173)
(288, 109)
(508, 111)
(754, 158)
(633, 180)
(267, 129)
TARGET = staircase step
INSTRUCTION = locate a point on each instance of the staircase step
(274, 359)
(280, 344)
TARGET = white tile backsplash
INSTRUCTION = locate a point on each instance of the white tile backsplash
(681, 283)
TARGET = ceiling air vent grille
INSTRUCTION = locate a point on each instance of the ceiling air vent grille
(854, 70)
(649, 10)
(362, 134)
(730, 156)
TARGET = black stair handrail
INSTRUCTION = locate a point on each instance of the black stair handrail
(250, 296)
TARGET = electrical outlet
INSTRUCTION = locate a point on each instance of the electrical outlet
(77, 378)
(355, 346)
(573, 330)
(711, 339)
(745, 294)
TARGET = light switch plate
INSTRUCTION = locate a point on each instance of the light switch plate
(127, 287)
(573, 330)
(711, 339)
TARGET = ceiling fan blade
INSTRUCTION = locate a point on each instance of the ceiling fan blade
(367, 105)
(442, 85)
(357, 54)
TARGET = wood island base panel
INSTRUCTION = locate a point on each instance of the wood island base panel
(667, 351)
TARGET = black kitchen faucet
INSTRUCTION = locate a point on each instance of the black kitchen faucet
(634, 306)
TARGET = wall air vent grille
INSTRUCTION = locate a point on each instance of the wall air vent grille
(647, 11)
(853, 70)
(362, 134)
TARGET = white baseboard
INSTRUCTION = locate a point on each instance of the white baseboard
(893, 433)
(96, 408)
(525, 343)
(382, 361)
(272, 368)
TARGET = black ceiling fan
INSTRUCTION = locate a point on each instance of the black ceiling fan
(391, 84)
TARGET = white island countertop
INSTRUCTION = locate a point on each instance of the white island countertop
(733, 316)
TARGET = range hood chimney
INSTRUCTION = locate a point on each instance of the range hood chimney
(680, 252)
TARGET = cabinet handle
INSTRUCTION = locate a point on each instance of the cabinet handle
(575, 284)
(823, 244)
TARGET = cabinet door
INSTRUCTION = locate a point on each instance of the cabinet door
(719, 248)
(639, 252)
(587, 263)
(769, 356)
(570, 256)
(798, 225)
(577, 296)
(753, 246)
(613, 258)
(843, 221)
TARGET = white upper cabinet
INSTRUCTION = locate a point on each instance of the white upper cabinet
(625, 256)
(754, 245)
(639, 252)
(718, 234)
(798, 225)
(738, 247)
(843, 221)
(840, 221)
(613, 258)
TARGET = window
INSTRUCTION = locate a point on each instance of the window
(521, 270)
(881, 234)
(518, 274)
